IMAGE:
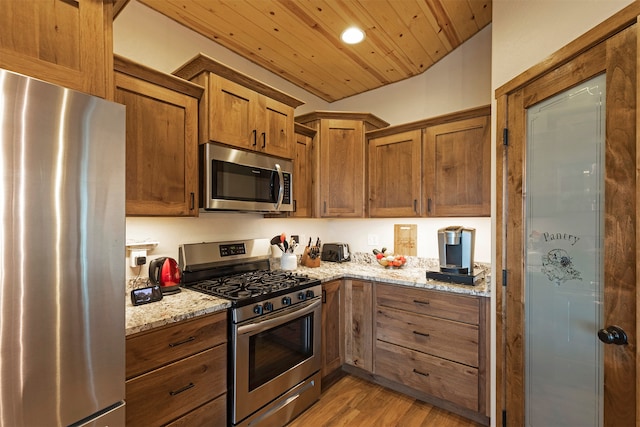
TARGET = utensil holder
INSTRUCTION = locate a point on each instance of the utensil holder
(307, 261)
(288, 261)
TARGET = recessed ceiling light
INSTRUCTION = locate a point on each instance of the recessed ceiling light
(352, 35)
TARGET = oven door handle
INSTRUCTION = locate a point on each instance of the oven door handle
(296, 311)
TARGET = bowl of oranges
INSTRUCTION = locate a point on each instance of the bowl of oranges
(388, 260)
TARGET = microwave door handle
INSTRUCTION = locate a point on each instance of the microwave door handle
(281, 186)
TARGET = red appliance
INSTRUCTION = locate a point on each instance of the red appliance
(165, 273)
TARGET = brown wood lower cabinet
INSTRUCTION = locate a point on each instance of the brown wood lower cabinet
(358, 324)
(177, 375)
(434, 346)
(332, 328)
(446, 380)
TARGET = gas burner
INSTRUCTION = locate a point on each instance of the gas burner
(252, 285)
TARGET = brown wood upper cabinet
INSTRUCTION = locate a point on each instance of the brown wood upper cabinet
(439, 167)
(71, 45)
(239, 111)
(395, 171)
(303, 171)
(457, 168)
(162, 126)
(340, 161)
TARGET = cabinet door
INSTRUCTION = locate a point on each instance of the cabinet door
(457, 168)
(231, 114)
(302, 176)
(341, 168)
(358, 323)
(332, 332)
(64, 42)
(395, 175)
(161, 163)
(276, 135)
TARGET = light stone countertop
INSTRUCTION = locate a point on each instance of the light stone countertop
(172, 308)
(189, 304)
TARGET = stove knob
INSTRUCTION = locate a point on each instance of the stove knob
(257, 309)
(286, 301)
(302, 296)
(268, 306)
(310, 294)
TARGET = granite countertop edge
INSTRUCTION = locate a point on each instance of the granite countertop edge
(189, 304)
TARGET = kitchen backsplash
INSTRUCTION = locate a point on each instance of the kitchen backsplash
(220, 226)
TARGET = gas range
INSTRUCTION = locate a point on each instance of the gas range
(274, 343)
(239, 271)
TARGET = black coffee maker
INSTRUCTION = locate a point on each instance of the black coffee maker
(455, 249)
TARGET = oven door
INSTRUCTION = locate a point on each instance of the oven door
(274, 355)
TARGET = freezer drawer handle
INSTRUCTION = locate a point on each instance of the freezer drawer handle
(175, 344)
(421, 334)
(421, 302)
(180, 390)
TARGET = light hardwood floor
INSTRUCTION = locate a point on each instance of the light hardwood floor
(354, 402)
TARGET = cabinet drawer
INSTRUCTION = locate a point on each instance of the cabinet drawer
(445, 380)
(463, 308)
(211, 414)
(149, 350)
(439, 337)
(165, 394)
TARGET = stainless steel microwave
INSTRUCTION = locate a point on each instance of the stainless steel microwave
(244, 181)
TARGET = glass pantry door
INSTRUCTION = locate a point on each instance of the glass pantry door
(564, 221)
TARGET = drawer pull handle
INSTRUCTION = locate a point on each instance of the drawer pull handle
(421, 334)
(417, 301)
(175, 344)
(420, 373)
(180, 390)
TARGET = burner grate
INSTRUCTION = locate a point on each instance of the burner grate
(251, 284)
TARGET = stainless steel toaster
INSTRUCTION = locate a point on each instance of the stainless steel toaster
(335, 252)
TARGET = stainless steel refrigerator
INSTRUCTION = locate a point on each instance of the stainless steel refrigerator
(62, 244)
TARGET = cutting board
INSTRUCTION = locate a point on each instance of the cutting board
(405, 239)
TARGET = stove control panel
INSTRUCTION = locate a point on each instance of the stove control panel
(232, 249)
(273, 304)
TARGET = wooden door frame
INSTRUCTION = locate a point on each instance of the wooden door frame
(623, 19)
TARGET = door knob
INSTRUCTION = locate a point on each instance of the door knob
(613, 335)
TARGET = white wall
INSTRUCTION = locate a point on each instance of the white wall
(525, 32)
(457, 82)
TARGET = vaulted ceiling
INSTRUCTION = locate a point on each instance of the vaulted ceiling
(299, 40)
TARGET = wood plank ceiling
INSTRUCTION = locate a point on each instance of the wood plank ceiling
(299, 40)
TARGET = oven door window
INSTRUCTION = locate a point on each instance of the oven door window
(232, 181)
(277, 350)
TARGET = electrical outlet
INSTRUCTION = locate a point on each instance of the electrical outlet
(138, 258)
(373, 240)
